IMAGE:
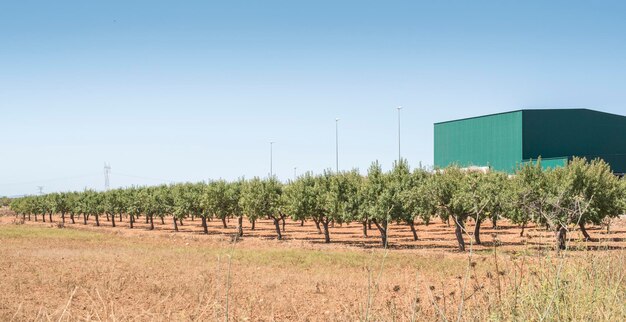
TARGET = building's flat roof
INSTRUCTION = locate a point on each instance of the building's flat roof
(527, 109)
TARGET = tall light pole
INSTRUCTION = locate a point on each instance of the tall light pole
(271, 158)
(107, 173)
(399, 155)
(337, 145)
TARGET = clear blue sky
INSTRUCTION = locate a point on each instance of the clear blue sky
(191, 90)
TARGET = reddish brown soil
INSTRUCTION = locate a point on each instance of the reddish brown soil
(436, 236)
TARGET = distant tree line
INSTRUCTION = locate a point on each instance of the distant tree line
(5, 201)
(559, 199)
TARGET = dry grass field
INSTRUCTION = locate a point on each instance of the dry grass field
(83, 272)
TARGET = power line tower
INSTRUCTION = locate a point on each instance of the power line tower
(107, 172)
(40, 188)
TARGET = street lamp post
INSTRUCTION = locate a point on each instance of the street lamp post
(399, 155)
(337, 145)
(271, 158)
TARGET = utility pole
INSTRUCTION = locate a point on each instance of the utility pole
(272, 158)
(399, 155)
(40, 188)
(107, 172)
(337, 145)
(294, 173)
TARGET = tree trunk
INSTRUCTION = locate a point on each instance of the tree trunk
(317, 225)
(369, 224)
(107, 214)
(412, 225)
(72, 218)
(206, 229)
(521, 234)
(63, 217)
(283, 219)
(28, 217)
(180, 221)
(120, 217)
(43, 216)
(147, 219)
(113, 220)
(494, 221)
(277, 224)
(151, 222)
(97, 220)
(458, 231)
(584, 231)
(224, 222)
(253, 224)
(477, 231)
(383, 230)
(175, 224)
(35, 217)
(301, 222)
(326, 232)
(240, 226)
(132, 221)
(364, 228)
(561, 235)
(84, 219)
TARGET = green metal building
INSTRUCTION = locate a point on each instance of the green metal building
(503, 141)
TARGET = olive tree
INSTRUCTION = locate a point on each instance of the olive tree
(383, 198)
(233, 195)
(355, 207)
(262, 198)
(302, 199)
(582, 192)
(334, 190)
(114, 203)
(443, 190)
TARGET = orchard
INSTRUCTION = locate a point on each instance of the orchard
(572, 197)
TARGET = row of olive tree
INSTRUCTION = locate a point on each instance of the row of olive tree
(576, 195)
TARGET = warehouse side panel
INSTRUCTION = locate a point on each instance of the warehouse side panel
(575, 132)
(492, 140)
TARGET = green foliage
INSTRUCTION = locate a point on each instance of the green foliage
(302, 198)
(416, 198)
(261, 198)
(354, 205)
(579, 194)
(5, 201)
(442, 190)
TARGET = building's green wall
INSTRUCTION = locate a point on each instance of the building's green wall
(493, 140)
(575, 132)
(550, 163)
